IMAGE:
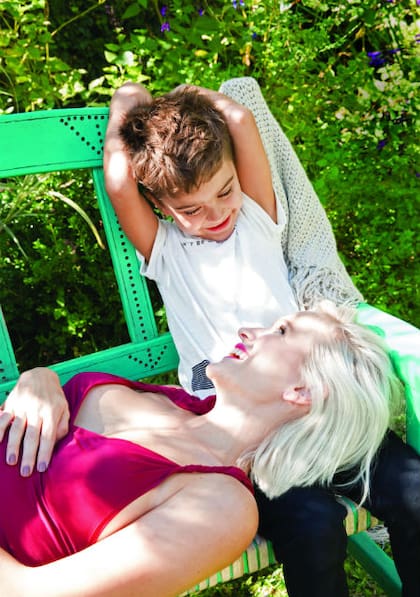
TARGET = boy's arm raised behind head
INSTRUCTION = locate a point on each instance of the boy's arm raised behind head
(251, 160)
(136, 217)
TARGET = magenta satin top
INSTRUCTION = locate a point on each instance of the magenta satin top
(90, 479)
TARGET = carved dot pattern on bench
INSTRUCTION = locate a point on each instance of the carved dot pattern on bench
(81, 127)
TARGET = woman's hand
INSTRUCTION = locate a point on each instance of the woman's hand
(37, 415)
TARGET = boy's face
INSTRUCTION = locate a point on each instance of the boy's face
(210, 211)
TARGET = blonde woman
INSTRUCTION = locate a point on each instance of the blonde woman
(148, 491)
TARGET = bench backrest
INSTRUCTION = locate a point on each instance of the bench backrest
(72, 139)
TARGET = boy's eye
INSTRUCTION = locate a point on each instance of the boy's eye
(281, 329)
(192, 212)
(226, 193)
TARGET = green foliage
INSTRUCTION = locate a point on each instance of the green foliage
(341, 77)
(197, 48)
(49, 257)
(32, 74)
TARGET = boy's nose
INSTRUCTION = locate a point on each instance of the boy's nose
(214, 213)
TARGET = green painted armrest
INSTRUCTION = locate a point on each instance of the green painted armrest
(403, 341)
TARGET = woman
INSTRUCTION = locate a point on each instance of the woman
(143, 492)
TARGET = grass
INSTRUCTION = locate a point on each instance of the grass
(270, 583)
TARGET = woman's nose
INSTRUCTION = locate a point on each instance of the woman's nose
(243, 333)
(248, 334)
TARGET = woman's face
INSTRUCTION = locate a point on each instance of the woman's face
(268, 361)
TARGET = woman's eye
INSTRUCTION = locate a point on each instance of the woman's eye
(282, 329)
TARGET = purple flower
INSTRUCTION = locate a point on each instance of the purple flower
(163, 10)
(165, 27)
(376, 59)
(200, 11)
(381, 144)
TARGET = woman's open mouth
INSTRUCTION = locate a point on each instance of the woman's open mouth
(239, 352)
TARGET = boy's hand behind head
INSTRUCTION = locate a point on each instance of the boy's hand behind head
(129, 95)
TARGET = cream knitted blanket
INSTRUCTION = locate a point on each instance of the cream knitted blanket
(309, 247)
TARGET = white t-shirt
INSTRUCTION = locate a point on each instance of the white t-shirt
(210, 289)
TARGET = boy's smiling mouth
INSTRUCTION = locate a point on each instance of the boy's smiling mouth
(220, 226)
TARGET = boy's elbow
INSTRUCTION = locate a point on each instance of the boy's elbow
(241, 120)
(113, 188)
(118, 175)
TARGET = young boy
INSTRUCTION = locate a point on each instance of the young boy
(227, 257)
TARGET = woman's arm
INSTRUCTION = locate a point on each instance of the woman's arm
(198, 531)
(251, 161)
(37, 413)
(134, 213)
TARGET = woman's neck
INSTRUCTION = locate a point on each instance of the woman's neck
(225, 433)
(232, 428)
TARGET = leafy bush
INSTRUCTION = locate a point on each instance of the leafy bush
(50, 256)
(32, 74)
(342, 78)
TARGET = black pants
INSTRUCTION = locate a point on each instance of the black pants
(306, 526)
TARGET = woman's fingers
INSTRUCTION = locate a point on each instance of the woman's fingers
(5, 420)
(37, 414)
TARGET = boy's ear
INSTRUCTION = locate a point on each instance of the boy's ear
(297, 395)
(161, 207)
(154, 203)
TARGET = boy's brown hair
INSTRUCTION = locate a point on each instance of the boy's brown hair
(176, 143)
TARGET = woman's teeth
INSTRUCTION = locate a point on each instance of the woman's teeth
(238, 352)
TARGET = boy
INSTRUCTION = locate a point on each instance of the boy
(227, 258)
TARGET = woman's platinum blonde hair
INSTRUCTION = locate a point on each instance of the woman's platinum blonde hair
(353, 389)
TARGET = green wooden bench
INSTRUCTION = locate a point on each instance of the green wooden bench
(71, 139)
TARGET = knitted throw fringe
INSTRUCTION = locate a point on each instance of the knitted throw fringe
(379, 534)
(308, 243)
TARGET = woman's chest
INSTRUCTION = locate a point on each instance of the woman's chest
(148, 420)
